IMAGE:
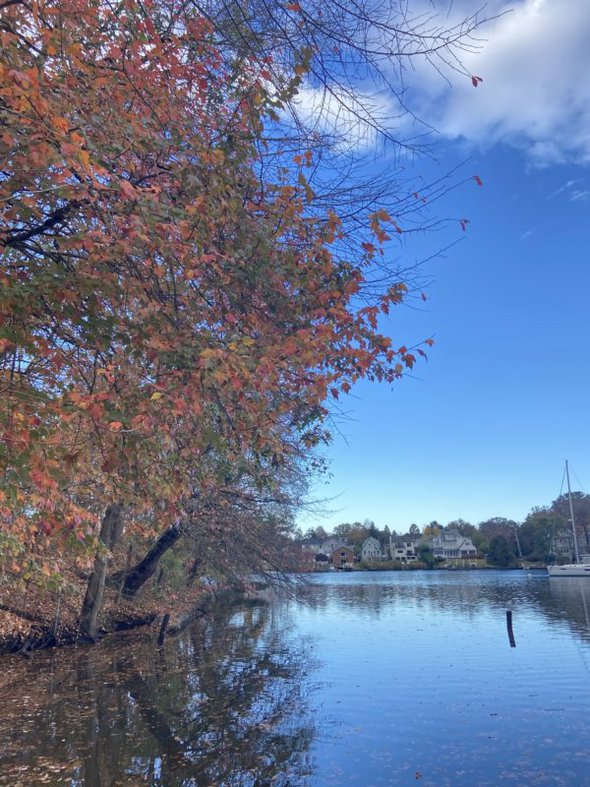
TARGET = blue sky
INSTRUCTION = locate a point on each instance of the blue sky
(483, 427)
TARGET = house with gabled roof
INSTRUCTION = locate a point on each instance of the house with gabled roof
(450, 544)
(343, 557)
(371, 550)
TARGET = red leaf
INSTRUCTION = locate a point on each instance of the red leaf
(476, 80)
(127, 190)
(478, 180)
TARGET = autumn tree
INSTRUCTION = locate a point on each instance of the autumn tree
(348, 64)
(164, 312)
(182, 293)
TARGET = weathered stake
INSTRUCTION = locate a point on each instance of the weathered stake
(511, 639)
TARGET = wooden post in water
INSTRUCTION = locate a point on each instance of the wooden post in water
(511, 639)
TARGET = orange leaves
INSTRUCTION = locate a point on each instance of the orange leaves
(177, 312)
(42, 479)
(308, 191)
(128, 191)
(209, 356)
(377, 219)
(61, 124)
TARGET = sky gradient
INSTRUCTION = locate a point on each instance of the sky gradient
(483, 427)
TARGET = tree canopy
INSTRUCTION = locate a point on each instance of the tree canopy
(180, 299)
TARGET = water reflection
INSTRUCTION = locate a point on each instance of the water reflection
(423, 686)
(571, 596)
(225, 705)
(464, 593)
(407, 677)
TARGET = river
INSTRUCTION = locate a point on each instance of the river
(366, 679)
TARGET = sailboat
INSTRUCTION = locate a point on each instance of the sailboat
(580, 567)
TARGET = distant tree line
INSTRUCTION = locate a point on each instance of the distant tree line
(503, 541)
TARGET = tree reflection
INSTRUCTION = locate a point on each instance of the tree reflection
(224, 705)
(471, 593)
(571, 602)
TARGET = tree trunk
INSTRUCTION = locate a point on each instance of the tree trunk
(111, 527)
(141, 572)
(192, 573)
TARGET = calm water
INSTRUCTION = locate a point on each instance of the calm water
(378, 679)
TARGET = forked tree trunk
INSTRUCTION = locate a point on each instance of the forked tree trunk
(110, 530)
(140, 573)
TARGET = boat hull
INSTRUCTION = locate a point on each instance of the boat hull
(570, 570)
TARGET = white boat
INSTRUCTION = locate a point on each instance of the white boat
(581, 565)
(570, 570)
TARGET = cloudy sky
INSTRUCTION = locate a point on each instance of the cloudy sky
(483, 428)
(535, 95)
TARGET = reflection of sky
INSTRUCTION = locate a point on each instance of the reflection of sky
(379, 678)
(419, 676)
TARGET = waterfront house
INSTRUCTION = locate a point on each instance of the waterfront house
(450, 544)
(329, 545)
(318, 550)
(310, 550)
(404, 551)
(562, 546)
(371, 550)
(343, 557)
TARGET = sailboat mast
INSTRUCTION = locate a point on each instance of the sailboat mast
(569, 497)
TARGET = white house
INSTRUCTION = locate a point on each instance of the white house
(403, 551)
(451, 544)
(371, 549)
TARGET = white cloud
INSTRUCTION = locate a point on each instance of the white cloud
(349, 117)
(565, 188)
(535, 95)
(573, 191)
(582, 195)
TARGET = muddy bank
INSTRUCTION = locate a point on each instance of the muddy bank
(25, 628)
